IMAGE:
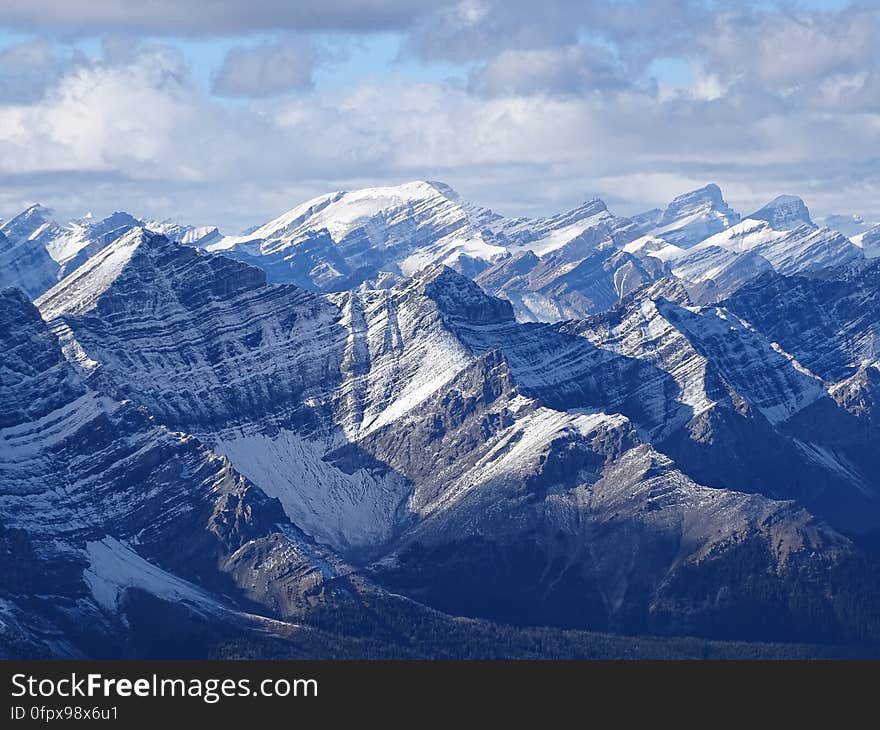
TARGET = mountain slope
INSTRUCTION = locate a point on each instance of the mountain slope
(752, 407)
(830, 322)
(722, 263)
(586, 275)
(101, 507)
(544, 235)
(24, 261)
(26, 266)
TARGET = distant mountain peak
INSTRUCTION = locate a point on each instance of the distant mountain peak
(200, 236)
(34, 209)
(692, 217)
(647, 219)
(591, 206)
(413, 189)
(28, 223)
(38, 208)
(784, 213)
(707, 197)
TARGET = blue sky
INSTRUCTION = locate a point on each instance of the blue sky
(166, 108)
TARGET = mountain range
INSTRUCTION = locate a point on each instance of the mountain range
(390, 422)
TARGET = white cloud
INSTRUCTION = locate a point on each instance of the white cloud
(100, 118)
(638, 30)
(538, 128)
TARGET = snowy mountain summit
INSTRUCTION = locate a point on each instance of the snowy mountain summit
(784, 213)
(693, 216)
(340, 239)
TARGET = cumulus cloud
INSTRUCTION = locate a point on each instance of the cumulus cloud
(266, 70)
(138, 135)
(471, 30)
(99, 117)
(811, 60)
(779, 50)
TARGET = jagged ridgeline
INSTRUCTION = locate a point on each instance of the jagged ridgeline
(391, 423)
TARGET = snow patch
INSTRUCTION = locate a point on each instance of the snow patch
(346, 511)
(115, 567)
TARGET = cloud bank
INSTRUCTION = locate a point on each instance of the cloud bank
(544, 108)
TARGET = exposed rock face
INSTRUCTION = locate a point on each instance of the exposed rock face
(754, 407)
(98, 499)
(830, 322)
(576, 280)
(860, 395)
(146, 306)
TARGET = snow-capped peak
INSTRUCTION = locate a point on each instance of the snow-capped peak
(79, 292)
(341, 239)
(32, 223)
(342, 211)
(705, 199)
(694, 216)
(784, 213)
